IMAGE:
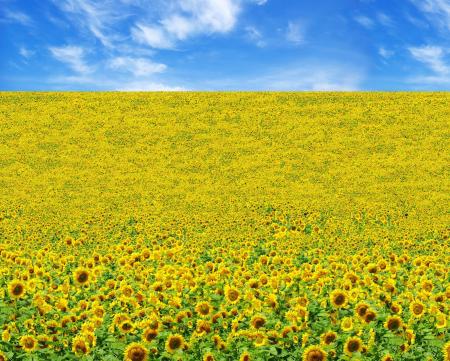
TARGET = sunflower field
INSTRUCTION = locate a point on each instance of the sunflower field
(224, 226)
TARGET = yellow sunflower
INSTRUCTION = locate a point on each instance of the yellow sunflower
(339, 298)
(328, 337)
(174, 343)
(28, 343)
(203, 308)
(16, 289)
(149, 335)
(314, 353)
(80, 346)
(231, 295)
(136, 352)
(417, 309)
(3, 356)
(352, 345)
(258, 321)
(393, 323)
(82, 276)
(446, 351)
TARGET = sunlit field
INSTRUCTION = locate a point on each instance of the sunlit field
(224, 226)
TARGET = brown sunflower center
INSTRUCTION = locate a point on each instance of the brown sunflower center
(137, 354)
(353, 345)
(233, 295)
(175, 343)
(314, 355)
(339, 299)
(418, 309)
(83, 277)
(17, 290)
(393, 324)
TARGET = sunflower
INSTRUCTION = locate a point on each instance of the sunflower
(361, 309)
(203, 308)
(80, 346)
(417, 309)
(126, 327)
(245, 356)
(446, 351)
(174, 343)
(3, 356)
(258, 321)
(441, 320)
(16, 289)
(231, 295)
(393, 323)
(136, 352)
(347, 324)
(328, 337)
(149, 335)
(369, 316)
(387, 357)
(82, 276)
(208, 357)
(339, 298)
(314, 353)
(28, 343)
(352, 345)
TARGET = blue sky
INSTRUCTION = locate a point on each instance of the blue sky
(225, 45)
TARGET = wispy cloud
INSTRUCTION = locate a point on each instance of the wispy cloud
(73, 56)
(188, 18)
(433, 57)
(255, 36)
(295, 33)
(365, 21)
(25, 52)
(385, 20)
(98, 17)
(17, 17)
(437, 11)
(137, 66)
(385, 53)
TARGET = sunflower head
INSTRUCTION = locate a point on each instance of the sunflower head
(417, 309)
(393, 323)
(28, 343)
(245, 356)
(314, 353)
(231, 295)
(136, 352)
(203, 308)
(339, 298)
(208, 357)
(329, 337)
(174, 343)
(446, 351)
(80, 346)
(82, 276)
(352, 345)
(361, 309)
(149, 335)
(16, 289)
(258, 321)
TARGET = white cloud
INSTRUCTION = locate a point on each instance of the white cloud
(385, 20)
(385, 53)
(260, 2)
(137, 66)
(188, 18)
(98, 17)
(155, 37)
(433, 57)
(438, 11)
(365, 21)
(26, 53)
(16, 17)
(295, 33)
(73, 56)
(255, 36)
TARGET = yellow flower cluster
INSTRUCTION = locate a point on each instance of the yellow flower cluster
(224, 226)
